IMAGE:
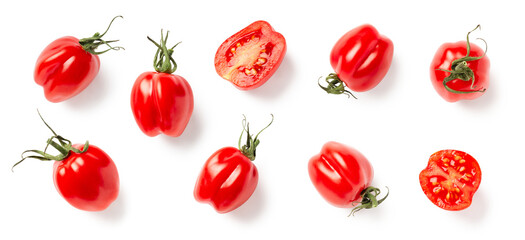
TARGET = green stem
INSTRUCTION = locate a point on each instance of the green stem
(251, 142)
(369, 199)
(90, 44)
(460, 69)
(335, 85)
(62, 145)
(163, 61)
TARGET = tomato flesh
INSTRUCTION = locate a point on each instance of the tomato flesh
(450, 179)
(250, 57)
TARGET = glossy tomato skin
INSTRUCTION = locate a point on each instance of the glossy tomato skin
(443, 59)
(227, 180)
(64, 69)
(450, 179)
(251, 56)
(88, 181)
(340, 173)
(361, 58)
(162, 103)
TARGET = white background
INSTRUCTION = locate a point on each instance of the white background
(397, 125)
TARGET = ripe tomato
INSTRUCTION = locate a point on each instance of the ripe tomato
(162, 102)
(251, 56)
(68, 65)
(450, 179)
(229, 178)
(342, 175)
(460, 70)
(89, 180)
(84, 175)
(360, 58)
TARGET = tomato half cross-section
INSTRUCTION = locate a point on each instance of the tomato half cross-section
(460, 71)
(251, 56)
(84, 175)
(450, 179)
(162, 102)
(342, 175)
(229, 177)
(68, 65)
(361, 59)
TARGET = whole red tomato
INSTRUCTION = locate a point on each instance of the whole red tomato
(251, 56)
(460, 71)
(360, 58)
(229, 178)
(450, 179)
(84, 175)
(162, 102)
(68, 65)
(342, 175)
(88, 180)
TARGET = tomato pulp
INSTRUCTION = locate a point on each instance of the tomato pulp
(251, 56)
(450, 179)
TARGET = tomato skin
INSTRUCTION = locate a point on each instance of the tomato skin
(340, 173)
(227, 180)
(64, 69)
(261, 49)
(443, 59)
(162, 103)
(88, 181)
(361, 58)
(450, 179)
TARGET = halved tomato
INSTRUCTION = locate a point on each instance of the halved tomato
(450, 179)
(251, 56)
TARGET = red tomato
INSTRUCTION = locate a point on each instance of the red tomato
(88, 181)
(342, 175)
(450, 179)
(229, 178)
(84, 175)
(360, 58)
(251, 56)
(68, 65)
(162, 102)
(460, 71)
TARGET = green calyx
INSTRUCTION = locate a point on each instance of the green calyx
(90, 44)
(369, 199)
(251, 142)
(335, 85)
(460, 69)
(60, 143)
(163, 62)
